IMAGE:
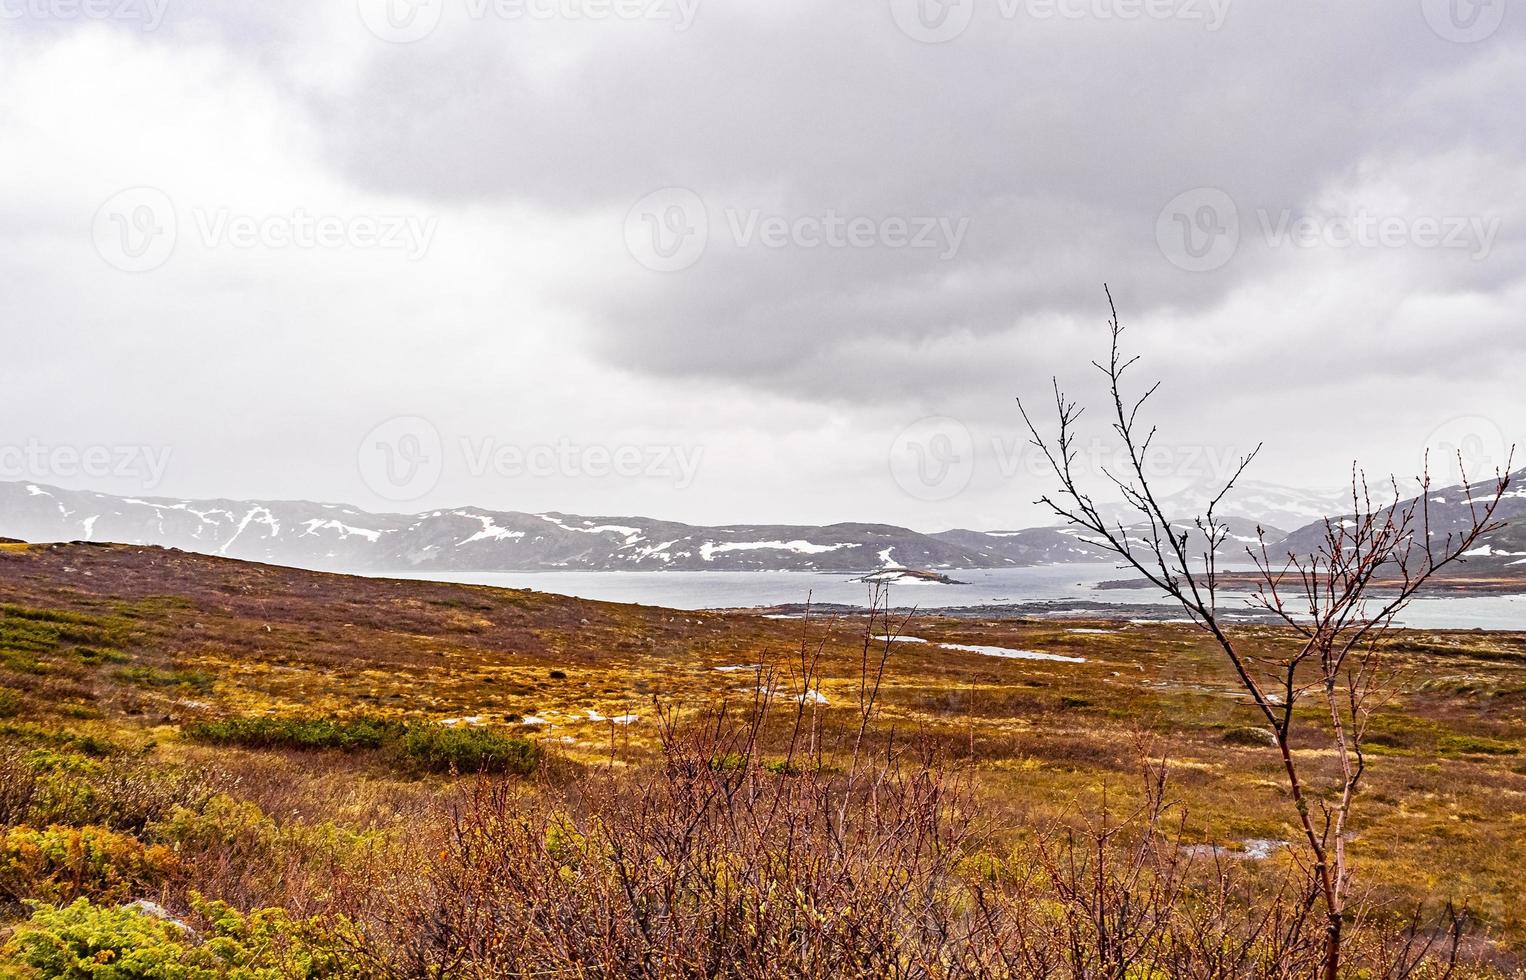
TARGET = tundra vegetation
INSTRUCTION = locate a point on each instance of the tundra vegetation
(212, 768)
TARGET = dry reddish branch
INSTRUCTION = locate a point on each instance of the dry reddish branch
(1338, 612)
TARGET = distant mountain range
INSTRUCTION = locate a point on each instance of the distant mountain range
(343, 538)
(1252, 501)
(1449, 512)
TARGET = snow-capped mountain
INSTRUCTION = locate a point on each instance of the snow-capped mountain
(1449, 512)
(1250, 501)
(344, 538)
(339, 537)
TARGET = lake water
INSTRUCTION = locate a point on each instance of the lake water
(1075, 583)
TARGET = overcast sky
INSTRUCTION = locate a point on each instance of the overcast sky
(725, 261)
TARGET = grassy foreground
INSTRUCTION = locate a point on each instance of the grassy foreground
(314, 775)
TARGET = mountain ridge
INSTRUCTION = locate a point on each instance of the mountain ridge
(341, 537)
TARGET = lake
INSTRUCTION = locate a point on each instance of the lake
(1075, 583)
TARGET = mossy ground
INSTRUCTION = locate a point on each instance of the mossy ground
(116, 652)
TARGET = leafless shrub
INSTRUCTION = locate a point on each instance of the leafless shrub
(1340, 600)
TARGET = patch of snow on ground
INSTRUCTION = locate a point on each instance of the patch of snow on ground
(1009, 654)
(471, 721)
(738, 667)
(1005, 653)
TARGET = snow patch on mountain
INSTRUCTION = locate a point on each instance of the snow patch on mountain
(710, 549)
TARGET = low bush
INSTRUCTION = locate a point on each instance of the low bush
(468, 750)
(264, 732)
(423, 745)
(83, 941)
(1250, 735)
(47, 786)
(60, 864)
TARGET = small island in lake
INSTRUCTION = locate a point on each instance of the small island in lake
(905, 576)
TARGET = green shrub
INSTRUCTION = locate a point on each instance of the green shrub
(261, 732)
(1250, 735)
(64, 863)
(64, 787)
(425, 745)
(87, 942)
(154, 677)
(468, 750)
(10, 702)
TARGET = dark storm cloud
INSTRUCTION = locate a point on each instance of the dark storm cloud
(948, 214)
(1058, 140)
